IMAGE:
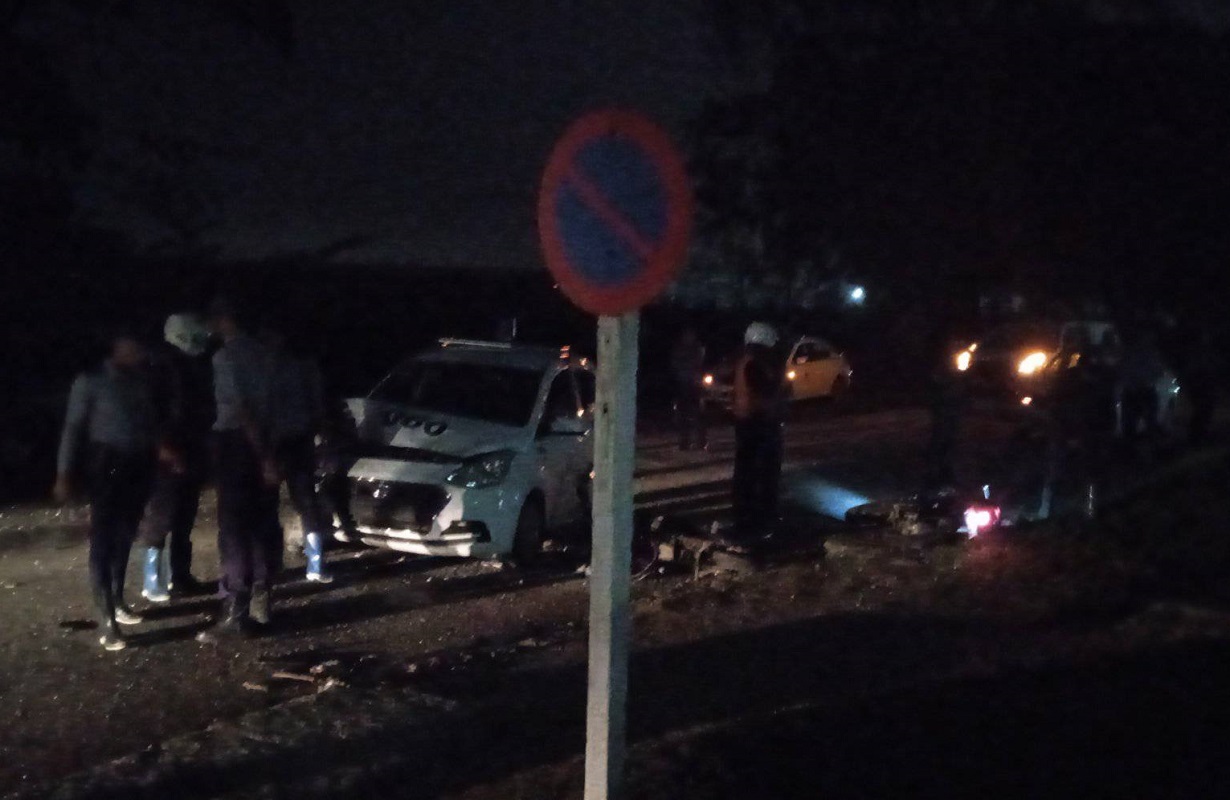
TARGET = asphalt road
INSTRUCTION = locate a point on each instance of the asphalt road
(65, 704)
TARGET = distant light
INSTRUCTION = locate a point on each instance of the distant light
(708, 380)
(857, 294)
(1026, 401)
(964, 359)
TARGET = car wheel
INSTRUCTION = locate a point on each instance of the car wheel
(841, 385)
(531, 525)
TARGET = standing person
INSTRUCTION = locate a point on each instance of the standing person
(688, 374)
(1141, 368)
(110, 434)
(298, 416)
(184, 403)
(246, 472)
(1204, 369)
(946, 396)
(759, 410)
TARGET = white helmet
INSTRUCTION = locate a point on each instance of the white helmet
(187, 333)
(760, 333)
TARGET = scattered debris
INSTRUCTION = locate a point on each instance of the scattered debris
(255, 687)
(291, 676)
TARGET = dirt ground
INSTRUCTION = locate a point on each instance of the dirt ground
(1031, 662)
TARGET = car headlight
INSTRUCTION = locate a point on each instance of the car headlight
(964, 359)
(489, 469)
(1031, 363)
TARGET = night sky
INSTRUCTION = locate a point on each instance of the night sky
(412, 131)
(415, 130)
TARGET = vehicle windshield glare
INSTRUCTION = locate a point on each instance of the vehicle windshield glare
(501, 395)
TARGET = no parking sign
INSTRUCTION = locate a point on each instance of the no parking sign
(614, 211)
(614, 217)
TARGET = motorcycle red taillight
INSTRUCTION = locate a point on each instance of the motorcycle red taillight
(979, 518)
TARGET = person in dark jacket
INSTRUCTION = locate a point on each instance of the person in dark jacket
(1203, 372)
(1140, 371)
(946, 390)
(247, 474)
(110, 437)
(759, 410)
(688, 374)
(184, 403)
(298, 418)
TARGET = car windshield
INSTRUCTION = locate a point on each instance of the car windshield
(502, 395)
(1020, 335)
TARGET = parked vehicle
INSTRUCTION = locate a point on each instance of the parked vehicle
(1017, 364)
(474, 449)
(814, 369)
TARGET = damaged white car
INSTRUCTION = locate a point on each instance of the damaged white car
(474, 449)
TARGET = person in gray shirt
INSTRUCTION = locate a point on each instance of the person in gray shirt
(110, 440)
(247, 474)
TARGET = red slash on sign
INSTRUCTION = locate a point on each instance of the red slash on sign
(614, 212)
(593, 198)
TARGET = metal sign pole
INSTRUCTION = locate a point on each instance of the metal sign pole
(610, 620)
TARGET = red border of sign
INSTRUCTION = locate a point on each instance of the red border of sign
(671, 252)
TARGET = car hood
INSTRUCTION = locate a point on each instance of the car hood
(396, 431)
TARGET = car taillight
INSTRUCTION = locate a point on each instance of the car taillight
(979, 518)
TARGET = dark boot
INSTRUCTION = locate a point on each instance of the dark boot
(232, 626)
(108, 631)
(262, 604)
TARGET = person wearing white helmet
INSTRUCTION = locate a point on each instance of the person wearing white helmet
(759, 410)
(184, 403)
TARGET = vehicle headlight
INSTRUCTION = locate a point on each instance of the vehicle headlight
(964, 359)
(708, 380)
(489, 469)
(1031, 363)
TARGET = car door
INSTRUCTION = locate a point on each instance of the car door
(825, 365)
(560, 452)
(802, 367)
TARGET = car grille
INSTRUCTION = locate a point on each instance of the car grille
(399, 506)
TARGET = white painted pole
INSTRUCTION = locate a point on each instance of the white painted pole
(610, 620)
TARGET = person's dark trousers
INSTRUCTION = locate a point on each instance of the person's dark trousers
(1139, 410)
(690, 410)
(243, 503)
(119, 485)
(297, 462)
(1203, 402)
(942, 446)
(171, 514)
(757, 478)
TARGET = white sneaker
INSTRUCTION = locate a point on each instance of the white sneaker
(319, 577)
(156, 596)
(112, 643)
(125, 616)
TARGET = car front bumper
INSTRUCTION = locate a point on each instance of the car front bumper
(409, 507)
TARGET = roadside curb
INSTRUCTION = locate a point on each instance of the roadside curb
(27, 526)
(331, 744)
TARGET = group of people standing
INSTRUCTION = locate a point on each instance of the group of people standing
(145, 430)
